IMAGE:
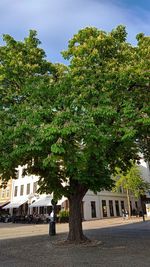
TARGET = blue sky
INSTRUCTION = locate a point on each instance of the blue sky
(56, 21)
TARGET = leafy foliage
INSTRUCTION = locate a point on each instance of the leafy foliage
(63, 213)
(72, 125)
(132, 181)
(77, 122)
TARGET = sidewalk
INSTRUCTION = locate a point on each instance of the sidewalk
(13, 230)
(123, 243)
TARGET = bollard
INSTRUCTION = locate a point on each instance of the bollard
(52, 228)
(52, 223)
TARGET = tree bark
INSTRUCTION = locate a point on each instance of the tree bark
(128, 200)
(75, 215)
(142, 209)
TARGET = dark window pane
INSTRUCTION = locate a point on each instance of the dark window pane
(21, 190)
(117, 208)
(35, 187)
(111, 209)
(104, 208)
(15, 191)
(28, 189)
(93, 209)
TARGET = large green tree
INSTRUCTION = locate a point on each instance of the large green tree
(72, 125)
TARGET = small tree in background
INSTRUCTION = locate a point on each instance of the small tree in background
(133, 184)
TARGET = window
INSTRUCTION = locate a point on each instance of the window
(136, 204)
(7, 192)
(122, 205)
(15, 191)
(3, 193)
(104, 208)
(111, 209)
(35, 187)
(28, 189)
(117, 208)
(93, 209)
(21, 190)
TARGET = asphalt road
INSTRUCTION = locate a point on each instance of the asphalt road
(116, 243)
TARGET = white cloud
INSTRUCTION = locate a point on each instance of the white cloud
(56, 21)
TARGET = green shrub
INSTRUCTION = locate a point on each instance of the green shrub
(63, 213)
(63, 216)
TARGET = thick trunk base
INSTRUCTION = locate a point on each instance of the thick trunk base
(75, 217)
(80, 240)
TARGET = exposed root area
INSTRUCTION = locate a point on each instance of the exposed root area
(81, 243)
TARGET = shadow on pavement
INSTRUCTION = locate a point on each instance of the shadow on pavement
(122, 246)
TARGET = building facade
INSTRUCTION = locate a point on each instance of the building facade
(105, 204)
(5, 194)
(25, 199)
(24, 190)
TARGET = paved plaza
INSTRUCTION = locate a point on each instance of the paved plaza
(116, 243)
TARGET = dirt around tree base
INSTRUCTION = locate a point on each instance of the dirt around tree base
(85, 243)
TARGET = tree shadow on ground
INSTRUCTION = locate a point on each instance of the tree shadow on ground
(120, 246)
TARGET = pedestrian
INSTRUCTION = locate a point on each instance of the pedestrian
(123, 214)
(127, 214)
(52, 216)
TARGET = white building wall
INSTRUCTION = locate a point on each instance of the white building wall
(87, 205)
(104, 195)
(145, 171)
(23, 180)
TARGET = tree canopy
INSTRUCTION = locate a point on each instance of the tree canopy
(132, 181)
(74, 124)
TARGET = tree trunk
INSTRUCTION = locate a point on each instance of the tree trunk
(128, 200)
(75, 215)
(142, 207)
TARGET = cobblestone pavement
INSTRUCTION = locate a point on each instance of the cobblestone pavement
(123, 243)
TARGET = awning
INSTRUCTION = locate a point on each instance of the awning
(46, 201)
(2, 204)
(16, 204)
(42, 202)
